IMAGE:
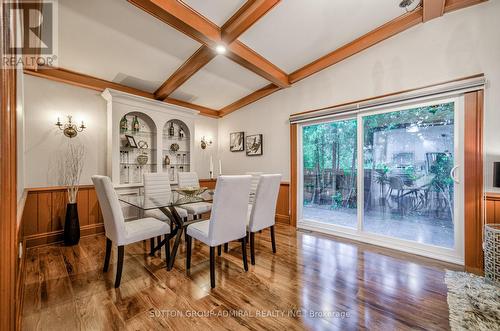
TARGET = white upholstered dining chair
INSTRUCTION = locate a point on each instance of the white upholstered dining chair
(157, 187)
(227, 221)
(254, 183)
(196, 209)
(118, 231)
(261, 214)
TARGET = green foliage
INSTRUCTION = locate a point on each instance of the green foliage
(318, 141)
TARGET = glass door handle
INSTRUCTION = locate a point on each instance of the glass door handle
(452, 174)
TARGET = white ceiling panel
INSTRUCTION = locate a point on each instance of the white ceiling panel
(116, 41)
(297, 32)
(217, 11)
(219, 83)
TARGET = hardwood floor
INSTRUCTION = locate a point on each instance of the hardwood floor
(311, 276)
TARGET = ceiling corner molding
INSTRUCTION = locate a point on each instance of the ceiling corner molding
(81, 80)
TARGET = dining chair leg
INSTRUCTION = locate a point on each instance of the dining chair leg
(159, 242)
(188, 252)
(212, 267)
(119, 267)
(273, 239)
(252, 248)
(226, 247)
(167, 248)
(244, 253)
(219, 250)
(108, 255)
(152, 244)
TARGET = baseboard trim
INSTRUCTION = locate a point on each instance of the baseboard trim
(41, 239)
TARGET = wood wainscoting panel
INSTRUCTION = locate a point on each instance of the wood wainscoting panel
(45, 210)
(492, 212)
(283, 204)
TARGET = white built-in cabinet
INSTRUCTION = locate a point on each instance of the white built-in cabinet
(164, 136)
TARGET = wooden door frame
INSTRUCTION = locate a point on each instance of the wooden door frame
(8, 181)
(473, 181)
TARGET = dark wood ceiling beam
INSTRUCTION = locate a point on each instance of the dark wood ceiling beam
(433, 9)
(197, 61)
(244, 18)
(257, 95)
(452, 5)
(94, 83)
(387, 30)
(248, 58)
(182, 18)
(233, 28)
(186, 20)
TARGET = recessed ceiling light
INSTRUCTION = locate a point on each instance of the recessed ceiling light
(220, 49)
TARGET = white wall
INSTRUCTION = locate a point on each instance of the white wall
(459, 44)
(45, 100)
(20, 133)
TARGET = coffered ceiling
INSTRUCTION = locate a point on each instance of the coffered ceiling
(165, 49)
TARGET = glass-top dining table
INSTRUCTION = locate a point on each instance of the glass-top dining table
(168, 203)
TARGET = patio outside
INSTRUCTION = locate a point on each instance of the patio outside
(407, 160)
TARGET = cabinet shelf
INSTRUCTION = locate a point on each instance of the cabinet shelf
(137, 133)
(137, 164)
(167, 137)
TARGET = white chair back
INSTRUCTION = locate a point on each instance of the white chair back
(229, 209)
(157, 186)
(264, 207)
(188, 179)
(255, 181)
(114, 223)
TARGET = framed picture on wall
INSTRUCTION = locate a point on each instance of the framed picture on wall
(237, 141)
(131, 141)
(254, 145)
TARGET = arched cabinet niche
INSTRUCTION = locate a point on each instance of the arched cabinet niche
(176, 156)
(137, 147)
(131, 141)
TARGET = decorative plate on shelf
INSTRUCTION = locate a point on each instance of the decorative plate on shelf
(174, 147)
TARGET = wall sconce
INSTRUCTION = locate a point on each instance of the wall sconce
(69, 128)
(205, 142)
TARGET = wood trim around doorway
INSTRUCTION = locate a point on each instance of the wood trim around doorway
(8, 179)
(473, 181)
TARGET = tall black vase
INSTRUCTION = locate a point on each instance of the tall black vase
(71, 225)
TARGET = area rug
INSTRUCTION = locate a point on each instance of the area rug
(474, 303)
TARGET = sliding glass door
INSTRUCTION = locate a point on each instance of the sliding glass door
(330, 172)
(387, 176)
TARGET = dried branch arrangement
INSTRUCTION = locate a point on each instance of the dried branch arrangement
(73, 167)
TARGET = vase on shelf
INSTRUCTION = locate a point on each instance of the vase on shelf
(135, 124)
(181, 133)
(171, 130)
(166, 161)
(124, 124)
(71, 225)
